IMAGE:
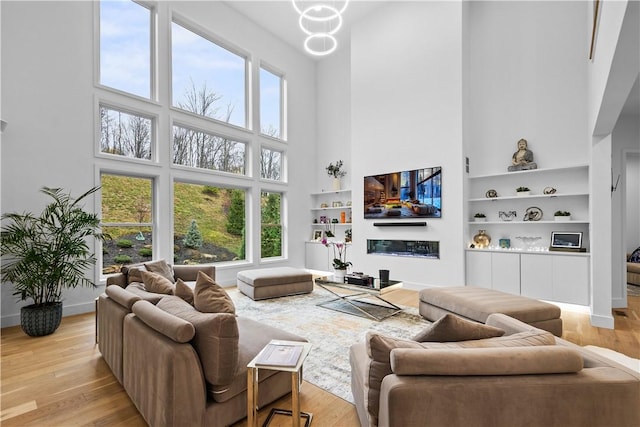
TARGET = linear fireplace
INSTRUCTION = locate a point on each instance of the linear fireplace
(404, 248)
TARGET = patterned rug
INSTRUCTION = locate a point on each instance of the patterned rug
(330, 332)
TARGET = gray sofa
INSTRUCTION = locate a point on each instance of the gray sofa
(524, 378)
(181, 367)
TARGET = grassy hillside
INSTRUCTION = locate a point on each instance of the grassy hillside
(127, 199)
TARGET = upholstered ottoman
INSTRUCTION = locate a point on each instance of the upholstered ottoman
(478, 303)
(274, 282)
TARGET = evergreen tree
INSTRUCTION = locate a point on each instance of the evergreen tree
(235, 221)
(271, 238)
(193, 238)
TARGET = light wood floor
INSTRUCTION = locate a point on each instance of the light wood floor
(61, 379)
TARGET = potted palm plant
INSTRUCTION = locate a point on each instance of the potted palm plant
(42, 255)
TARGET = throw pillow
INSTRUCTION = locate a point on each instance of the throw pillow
(133, 273)
(635, 256)
(155, 283)
(184, 291)
(162, 268)
(209, 297)
(454, 328)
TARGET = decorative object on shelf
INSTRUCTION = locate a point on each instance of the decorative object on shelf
(566, 241)
(324, 205)
(523, 158)
(323, 219)
(336, 172)
(523, 191)
(549, 190)
(334, 220)
(505, 243)
(347, 235)
(348, 203)
(317, 235)
(528, 241)
(480, 217)
(491, 194)
(533, 214)
(46, 254)
(562, 216)
(482, 239)
(337, 204)
(343, 217)
(507, 216)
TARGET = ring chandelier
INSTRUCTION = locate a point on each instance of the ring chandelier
(320, 22)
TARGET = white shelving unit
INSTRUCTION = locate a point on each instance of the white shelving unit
(317, 256)
(332, 212)
(530, 271)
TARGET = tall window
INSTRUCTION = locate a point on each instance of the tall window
(270, 104)
(207, 151)
(271, 164)
(125, 47)
(208, 80)
(125, 134)
(127, 217)
(209, 224)
(271, 225)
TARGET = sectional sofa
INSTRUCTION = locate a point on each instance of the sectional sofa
(180, 366)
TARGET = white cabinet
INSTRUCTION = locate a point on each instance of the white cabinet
(571, 185)
(493, 270)
(562, 278)
(317, 257)
(545, 275)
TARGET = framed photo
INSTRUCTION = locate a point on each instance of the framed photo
(566, 239)
(317, 235)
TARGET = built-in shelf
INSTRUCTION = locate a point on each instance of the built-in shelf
(573, 221)
(530, 172)
(531, 196)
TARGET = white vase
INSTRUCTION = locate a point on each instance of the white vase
(338, 275)
(523, 193)
(562, 218)
(336, 184)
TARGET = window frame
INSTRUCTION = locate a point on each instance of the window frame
(283, 103)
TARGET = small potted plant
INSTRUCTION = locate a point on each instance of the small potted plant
(562, 216)
(480, 217)
(523, 191)
(336, 172)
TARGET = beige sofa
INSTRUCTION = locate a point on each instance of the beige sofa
(633, 272)
(524, 378)
(181, 367)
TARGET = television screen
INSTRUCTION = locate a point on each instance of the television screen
(407, 194)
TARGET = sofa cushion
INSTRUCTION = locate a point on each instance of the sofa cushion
(454, 328)
(179, 330)
(161, 267)
(215, 340)
(138, 289)
(379, 351)
(121, 296)
(547, 359)
(184, 291)
(209, 297)
(133, 272)
(154, 282)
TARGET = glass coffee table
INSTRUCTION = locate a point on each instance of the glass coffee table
(361, 300)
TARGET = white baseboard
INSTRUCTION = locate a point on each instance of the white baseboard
(67, 310)
(602, 321)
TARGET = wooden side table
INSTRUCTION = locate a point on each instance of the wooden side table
(252, 387)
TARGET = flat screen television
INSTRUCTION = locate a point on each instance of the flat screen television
(404, 195)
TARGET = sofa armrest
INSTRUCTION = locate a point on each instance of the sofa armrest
(177, 329)
(122, 296)
(486, 361)
(119, 279)
(189, 273)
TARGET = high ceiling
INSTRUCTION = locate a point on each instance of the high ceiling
(280, 18)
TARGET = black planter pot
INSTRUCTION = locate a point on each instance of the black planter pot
(38, 320)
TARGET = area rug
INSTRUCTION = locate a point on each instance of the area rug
(330, 332)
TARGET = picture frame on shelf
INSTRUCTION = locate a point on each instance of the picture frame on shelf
(316, 235)
(566, 240)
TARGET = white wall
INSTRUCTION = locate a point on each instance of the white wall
(48, 101)
(527, 79)
(406, 113)
(632, 180)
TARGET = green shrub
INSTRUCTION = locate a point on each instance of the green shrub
(145, 252)
(211, 191)
(193, 238)
(124, 243)
(122, 259)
